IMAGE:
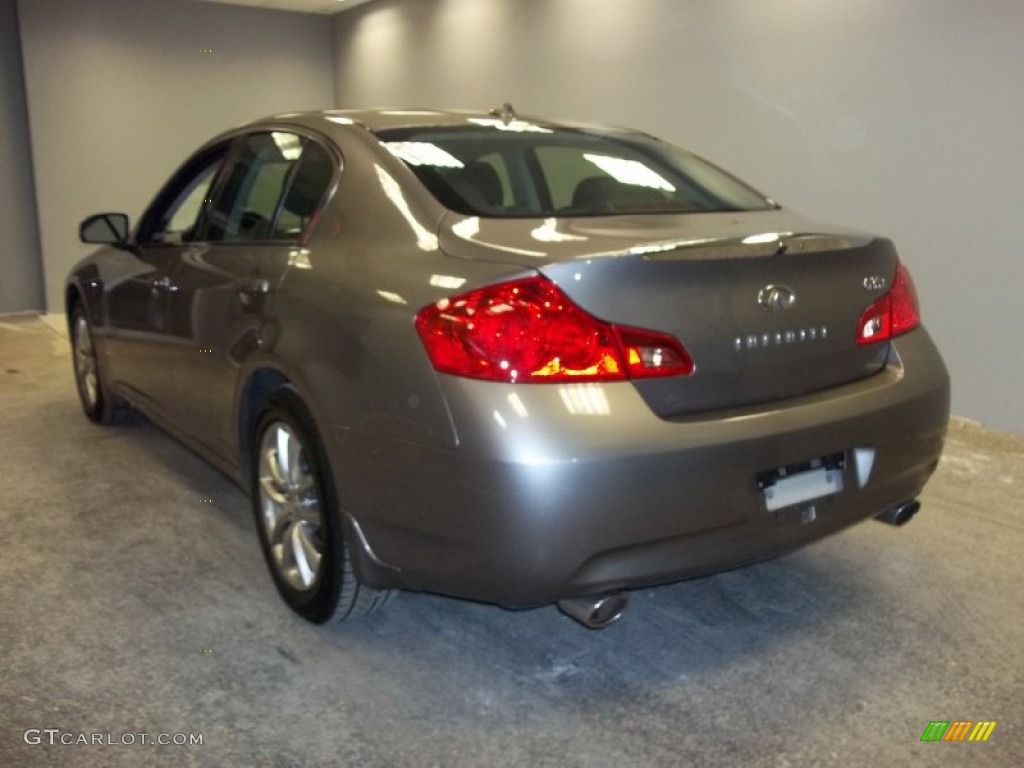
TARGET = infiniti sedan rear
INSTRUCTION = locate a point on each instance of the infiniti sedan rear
(508, 360)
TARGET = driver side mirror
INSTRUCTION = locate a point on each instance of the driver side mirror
(105, 229)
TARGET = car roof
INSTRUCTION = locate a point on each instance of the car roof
(382, 119)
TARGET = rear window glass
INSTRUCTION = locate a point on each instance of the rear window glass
(531, 171)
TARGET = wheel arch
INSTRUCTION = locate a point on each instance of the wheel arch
(255, 393)
(72, 298)
(84, 286)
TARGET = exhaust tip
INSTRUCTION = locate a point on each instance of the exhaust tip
(595, 611)
(901, 513)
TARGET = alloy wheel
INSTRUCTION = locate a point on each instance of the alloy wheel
(85, 363)
(291, 507)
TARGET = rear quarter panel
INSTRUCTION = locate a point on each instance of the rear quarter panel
(343, 327)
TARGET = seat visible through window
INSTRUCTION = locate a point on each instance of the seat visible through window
(478, 184)
(603, 193)
(309, 184)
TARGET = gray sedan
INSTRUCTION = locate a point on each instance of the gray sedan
(506, 359)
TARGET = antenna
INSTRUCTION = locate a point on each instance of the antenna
(506, 113)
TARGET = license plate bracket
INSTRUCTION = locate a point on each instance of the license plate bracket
(800, 483)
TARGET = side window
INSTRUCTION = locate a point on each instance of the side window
(176, 216)
(247, 201)
(184, 219)
(274, 184)
(309, 184)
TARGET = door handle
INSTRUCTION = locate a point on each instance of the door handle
(160, 284)
(250, 291)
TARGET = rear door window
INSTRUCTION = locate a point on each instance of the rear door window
(272, 188)
(310, 183)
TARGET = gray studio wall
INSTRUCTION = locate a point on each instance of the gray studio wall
(120, 91)
(21, 277)
(901, 117)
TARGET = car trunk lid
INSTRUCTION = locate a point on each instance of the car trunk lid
(766, 303)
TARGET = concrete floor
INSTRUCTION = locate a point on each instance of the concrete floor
(131, 605)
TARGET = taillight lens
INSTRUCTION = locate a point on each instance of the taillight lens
(649, 354)
(529, 331)
(892, 315)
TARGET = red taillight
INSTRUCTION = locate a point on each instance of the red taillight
(892, 315)
(906, 314)
(529, 331)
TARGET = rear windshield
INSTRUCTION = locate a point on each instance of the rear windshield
(524, 170)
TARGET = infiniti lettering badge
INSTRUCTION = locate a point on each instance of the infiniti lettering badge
(776, 298)
(763, 340)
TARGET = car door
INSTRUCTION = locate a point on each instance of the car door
(140, 291)
(264, 203)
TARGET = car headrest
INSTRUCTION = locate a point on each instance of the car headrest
(606, 192)
(595, 190)
(308, 187)
(477, 183)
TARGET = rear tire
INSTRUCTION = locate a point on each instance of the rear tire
(296, 510)
(98, 404)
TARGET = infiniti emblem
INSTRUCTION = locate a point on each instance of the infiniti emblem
(776, 298)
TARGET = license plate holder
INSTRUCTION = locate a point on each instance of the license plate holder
(786, 487)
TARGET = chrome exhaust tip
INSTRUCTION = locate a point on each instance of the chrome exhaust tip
(900, 514)
(595, 611)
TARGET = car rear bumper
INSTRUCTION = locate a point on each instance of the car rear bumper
(558, 491)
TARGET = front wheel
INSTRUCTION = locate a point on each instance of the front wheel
(297, 516)
(97, 403)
